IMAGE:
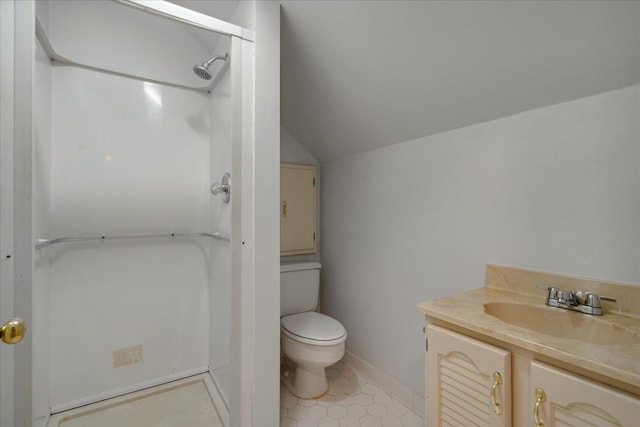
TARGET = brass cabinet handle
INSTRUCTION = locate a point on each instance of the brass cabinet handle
(540, 397)
(284, 209)
(497, 380)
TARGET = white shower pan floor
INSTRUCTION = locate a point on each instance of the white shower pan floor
(188, 402)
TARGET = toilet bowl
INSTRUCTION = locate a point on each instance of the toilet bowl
(313, 341)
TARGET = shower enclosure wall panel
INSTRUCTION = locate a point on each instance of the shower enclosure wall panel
(128, 157)
(220, 273)
(41, 226)
(105, 162)
(108, 35)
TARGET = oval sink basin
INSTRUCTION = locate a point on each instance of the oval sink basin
(561, 323)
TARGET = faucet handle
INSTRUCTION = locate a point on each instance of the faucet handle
(581, 296)
(592, 300)
(552, 294)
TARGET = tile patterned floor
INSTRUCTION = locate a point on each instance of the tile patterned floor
(352, 401)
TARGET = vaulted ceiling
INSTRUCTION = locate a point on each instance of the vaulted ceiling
(358, 75)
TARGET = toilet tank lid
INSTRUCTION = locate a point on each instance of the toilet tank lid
(298, 266)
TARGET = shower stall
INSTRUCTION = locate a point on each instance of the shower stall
(141, 173)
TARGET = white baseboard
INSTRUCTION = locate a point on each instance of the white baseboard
(125, 390)
(404, 394)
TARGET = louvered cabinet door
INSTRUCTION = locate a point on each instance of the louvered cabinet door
(461, 381)
(569, 400)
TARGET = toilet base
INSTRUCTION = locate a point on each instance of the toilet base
(306, 383)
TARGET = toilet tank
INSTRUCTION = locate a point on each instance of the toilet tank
(299, 287)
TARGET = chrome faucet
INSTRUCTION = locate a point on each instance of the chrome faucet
(584, 302)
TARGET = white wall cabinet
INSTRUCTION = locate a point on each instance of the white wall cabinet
(469, 381)
(297, 209)
(460, 379)
(573, 401)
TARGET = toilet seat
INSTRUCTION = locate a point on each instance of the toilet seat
(313, 328)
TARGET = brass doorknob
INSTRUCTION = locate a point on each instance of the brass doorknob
(13, 331)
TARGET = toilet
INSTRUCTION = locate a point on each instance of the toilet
(310, 339)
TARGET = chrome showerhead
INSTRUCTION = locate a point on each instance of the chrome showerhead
(203, 72)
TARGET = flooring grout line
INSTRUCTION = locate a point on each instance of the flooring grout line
(354, 399)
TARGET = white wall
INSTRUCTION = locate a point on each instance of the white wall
(555, 189)
(292, 151)
(266, 345)
(42, 13)
(245, 14)
(127, 157)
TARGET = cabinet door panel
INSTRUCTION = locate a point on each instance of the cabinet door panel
(574, 401)
(460, 379)
(297, 209)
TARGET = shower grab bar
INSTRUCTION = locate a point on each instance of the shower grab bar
(43, 243)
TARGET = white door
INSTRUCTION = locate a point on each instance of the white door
(16, 247)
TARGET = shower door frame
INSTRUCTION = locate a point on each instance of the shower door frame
(17, 53)
(17, 37)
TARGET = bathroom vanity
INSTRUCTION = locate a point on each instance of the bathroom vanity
(499, 356)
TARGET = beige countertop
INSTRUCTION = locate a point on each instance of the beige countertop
(598, 353)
